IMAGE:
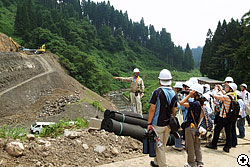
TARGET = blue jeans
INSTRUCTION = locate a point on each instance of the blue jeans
(178, 143)
(241, 127)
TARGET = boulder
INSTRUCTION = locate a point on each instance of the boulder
(30, 137)
(85, 146)
(115, 151)
(71, 134)
(15, 149)
(100, 149)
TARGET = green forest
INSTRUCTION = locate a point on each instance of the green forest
(94, 41)
(227, 51)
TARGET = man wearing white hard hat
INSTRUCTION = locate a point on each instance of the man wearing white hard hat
(163, 104)
(193, 118)
(223, 121)
(136, 90)
(246, 99)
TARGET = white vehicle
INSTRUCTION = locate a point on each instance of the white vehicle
(37, 127)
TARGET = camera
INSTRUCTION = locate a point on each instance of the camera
(184, 92)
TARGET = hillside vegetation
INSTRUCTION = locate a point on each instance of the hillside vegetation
(226, 52)
(94, 41)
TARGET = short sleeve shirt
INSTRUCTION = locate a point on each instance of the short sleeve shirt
(225, 106)
(195, 107)
(165, 100)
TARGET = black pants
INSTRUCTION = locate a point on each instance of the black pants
(223, 122)
(248, 119)
(234, 135)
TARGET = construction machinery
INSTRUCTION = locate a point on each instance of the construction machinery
(41, 50)
(17, 48)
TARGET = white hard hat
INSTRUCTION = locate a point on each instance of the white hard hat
(136, 70)
(229, 79)
(233, 86)
(193, 80)
(197, 87)
(178, 85)
(165, 77)
(244, 85)
(188, 83)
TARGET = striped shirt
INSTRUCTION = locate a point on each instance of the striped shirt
(225, 106)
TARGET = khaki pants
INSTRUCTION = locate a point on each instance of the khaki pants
(136, 102)
(193, 147)
(163, 133)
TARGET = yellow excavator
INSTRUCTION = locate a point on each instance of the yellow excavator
(41, 50)
(18, 48)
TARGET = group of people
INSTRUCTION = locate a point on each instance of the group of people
(202, 112)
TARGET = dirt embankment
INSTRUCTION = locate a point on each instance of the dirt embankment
(28, 82)
(5, 44)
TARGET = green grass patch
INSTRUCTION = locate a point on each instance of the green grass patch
(95, 104)
(57, 129)
(12, 132)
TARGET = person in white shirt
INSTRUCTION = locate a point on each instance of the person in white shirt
(241, 120)
(246, 98)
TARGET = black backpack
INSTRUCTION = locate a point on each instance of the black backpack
(234, 109)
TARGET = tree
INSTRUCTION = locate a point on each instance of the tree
(189, 61)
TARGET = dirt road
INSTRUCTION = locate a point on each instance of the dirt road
(211, 158)
(46, 66)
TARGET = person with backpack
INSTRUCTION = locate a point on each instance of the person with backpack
(246, 99)
(224, 119)
(163, 106)
(194, 117)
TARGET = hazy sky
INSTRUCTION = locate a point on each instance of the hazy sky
(187, 20)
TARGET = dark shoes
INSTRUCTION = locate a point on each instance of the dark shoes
(238, 136)
(211, 146)
(226, 149)
(153, 164)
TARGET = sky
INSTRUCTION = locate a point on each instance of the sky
(188, 21)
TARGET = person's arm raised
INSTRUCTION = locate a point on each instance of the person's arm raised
(184, 101)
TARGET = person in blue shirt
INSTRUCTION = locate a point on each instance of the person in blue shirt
(163, 104)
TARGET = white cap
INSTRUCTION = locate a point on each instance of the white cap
(244, 85)
(207, 96)
(178, 85)
(136, 70)
(233, 86)
(165, 77)
(229, 79)
(197, 87)
(207, 86)
(193, 80)
(188, 83)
